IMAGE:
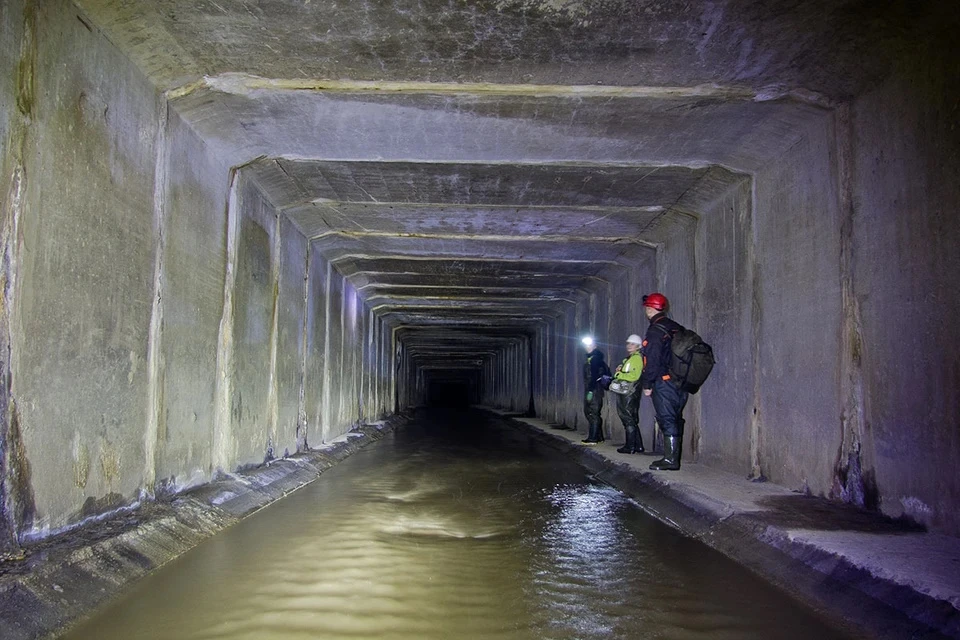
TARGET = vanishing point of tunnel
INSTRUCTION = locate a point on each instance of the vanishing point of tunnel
(251, 245)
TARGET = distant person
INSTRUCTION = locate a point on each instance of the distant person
(668, 398)
(628, 405)
(593, 367)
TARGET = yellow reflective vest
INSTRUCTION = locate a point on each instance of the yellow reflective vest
(630, 368)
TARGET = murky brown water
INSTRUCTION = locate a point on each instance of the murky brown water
(454, 527)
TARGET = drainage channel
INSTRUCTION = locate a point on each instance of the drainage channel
(457, 525)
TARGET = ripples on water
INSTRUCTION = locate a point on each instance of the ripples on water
(454, 527)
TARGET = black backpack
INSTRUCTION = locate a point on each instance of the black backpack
(691, 359)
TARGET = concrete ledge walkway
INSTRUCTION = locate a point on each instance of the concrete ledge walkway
(62, 579)
(868, 573)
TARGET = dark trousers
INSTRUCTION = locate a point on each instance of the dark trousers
(668, 402)
(628, 409)
(591, 409)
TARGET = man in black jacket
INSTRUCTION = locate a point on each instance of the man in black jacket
(668, 398)
(593, 367)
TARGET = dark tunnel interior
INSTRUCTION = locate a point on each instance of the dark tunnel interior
(452, 391)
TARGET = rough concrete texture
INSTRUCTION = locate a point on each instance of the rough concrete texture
(797, 293)
(155, 314)
(905, 254)
(873, 575)
(288, 370)
(13, 127)
(724, 313)
(253, 398)
(59, 582)
(318, 299)
(86, 277)
(192, 305)
(231, 231)
(684, 128)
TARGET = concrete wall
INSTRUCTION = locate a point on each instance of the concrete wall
(254, 298)
(905, 242)
(797, 279)
(290, 342)
(724, 318)
(505, 377)
(85, 278)
(163, 319)
(757, 272)
(333, 362)
(351, 357)
(193, 275)
(319, 275)
(828, 293)
(347, 376)
(13, 129)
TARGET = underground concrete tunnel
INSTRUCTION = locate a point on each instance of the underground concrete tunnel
(241, 240)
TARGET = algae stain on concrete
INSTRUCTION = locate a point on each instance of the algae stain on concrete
(26, 66)
(110, 464)
(81, 462)
(19, 473)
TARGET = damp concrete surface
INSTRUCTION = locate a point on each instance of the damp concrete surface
(889, 576)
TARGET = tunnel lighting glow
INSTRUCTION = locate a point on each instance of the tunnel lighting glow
(587, 341)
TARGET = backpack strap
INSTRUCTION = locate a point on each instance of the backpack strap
(666, 332)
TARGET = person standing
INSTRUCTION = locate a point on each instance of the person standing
(628, 405)
(593, 367)
(668, 399)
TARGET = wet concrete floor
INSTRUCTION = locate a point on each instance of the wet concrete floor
(455, 526)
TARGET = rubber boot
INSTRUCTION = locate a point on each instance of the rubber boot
(638, 442)
(592, 437)
(630, 445)
(671, 455)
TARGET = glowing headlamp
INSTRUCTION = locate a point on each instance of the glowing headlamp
(587, 341)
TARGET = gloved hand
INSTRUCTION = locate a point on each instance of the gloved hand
(589, 396)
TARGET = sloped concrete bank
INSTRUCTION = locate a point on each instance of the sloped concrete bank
(868, 574)
(64, 578)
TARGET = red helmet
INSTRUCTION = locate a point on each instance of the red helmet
(657, 301)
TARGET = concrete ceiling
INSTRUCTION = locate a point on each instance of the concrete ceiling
(481, 165)
(442, 243)
(831, 47)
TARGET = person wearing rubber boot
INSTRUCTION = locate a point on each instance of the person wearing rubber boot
(628, 405)
(668, 398)
(593, 367)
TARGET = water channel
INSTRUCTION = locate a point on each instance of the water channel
(455, 526)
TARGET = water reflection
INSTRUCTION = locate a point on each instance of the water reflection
(455, 527)
(587, 549)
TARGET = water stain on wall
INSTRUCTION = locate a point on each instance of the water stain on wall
(81, 463)
(110, 464)
(26, 66)
(19, 473)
